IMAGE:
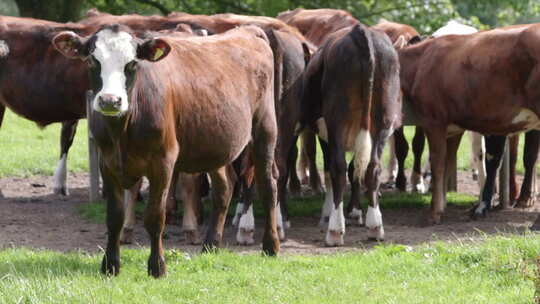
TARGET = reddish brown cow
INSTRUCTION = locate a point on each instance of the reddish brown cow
(351, 93)
(452, 85)
(178, 104)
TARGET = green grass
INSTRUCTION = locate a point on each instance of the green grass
(27, 150)
(497, 270)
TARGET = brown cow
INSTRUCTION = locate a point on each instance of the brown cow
(452, 85)
(351, 92)
(32, 81)
(178, 104)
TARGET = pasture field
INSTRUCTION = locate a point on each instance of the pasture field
(49, 247)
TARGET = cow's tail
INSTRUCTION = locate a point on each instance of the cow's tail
(277, 50)
(363, 144)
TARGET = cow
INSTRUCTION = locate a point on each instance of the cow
(165, 105)
(32, 83)
(452, 85)
(350, 93)
(316, 25)
(291, 51)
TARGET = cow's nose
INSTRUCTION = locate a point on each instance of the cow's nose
(109, 101)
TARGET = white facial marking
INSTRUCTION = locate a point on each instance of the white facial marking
(113, 51)
(60, 174)
(362, 154)
(336, 227)
(322, 130)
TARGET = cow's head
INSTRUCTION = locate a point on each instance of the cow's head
(112, 54)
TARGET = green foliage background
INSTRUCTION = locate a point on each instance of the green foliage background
(424, 15)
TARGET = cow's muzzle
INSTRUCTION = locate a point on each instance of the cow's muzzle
(110, 104)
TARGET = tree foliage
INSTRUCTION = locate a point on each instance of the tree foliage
(425, 15)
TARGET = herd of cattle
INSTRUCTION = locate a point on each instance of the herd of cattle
(229, 95)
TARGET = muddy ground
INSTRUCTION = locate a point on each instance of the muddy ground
(31, 216)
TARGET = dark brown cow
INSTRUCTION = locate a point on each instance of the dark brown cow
(452, 85)
(178, 104)
(351, 93)
(33, 81)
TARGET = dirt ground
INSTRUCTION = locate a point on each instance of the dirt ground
(31, 216)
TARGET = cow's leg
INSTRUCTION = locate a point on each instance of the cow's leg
(417, 179)
(266, 173)
(310, 145)
(175, 192)
(294, 180)
(478, 151)
(513, 144)
(452, 145)
(354, 212)
(303, 160)
(338, 169)
(437, 154)
(392, 167)
(402, 148)
(159, 178)
(115, 221)
(246, 219)
(374, 221)
(66, 139)
(494, 152)
(222, 188)
(130, 200)
(191, 199)
(329, 193)
(530, 155)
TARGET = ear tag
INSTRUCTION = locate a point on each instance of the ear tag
(159, 52)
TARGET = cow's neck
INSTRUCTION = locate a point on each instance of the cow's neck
(409, 59)
(116, 127)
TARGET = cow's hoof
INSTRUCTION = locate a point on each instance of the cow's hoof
(271, 246)
(401, 183)
(156, 266)
(209, 246)
(376, 233)
(355, 218)
(323, 223)
(479, 211)
(127, 236)
(475, 176)
(192, 237)
(526, 202)
(244, 237)
(110, 265)
(61, 191)
(287, 224)
(295, 188)
(334, 238)
(433, 218)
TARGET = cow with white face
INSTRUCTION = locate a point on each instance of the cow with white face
(178, 104)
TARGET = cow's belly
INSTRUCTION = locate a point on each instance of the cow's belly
(211, 148)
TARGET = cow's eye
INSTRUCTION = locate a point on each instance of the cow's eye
(131, 66)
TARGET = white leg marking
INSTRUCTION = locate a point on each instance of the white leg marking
(237, 213)
(481, 208)
(60, 176)
(374, 223)
(246, 228)
(336, 227)
(362, 154)
(392, 160)
(417, 181)
(356, 214)
(280, 226)
(328, 201)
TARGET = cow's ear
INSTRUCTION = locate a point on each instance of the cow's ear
(69, 44)
(153, 49)
(400, 43)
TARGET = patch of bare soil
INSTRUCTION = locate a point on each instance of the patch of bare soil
(31, 216)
